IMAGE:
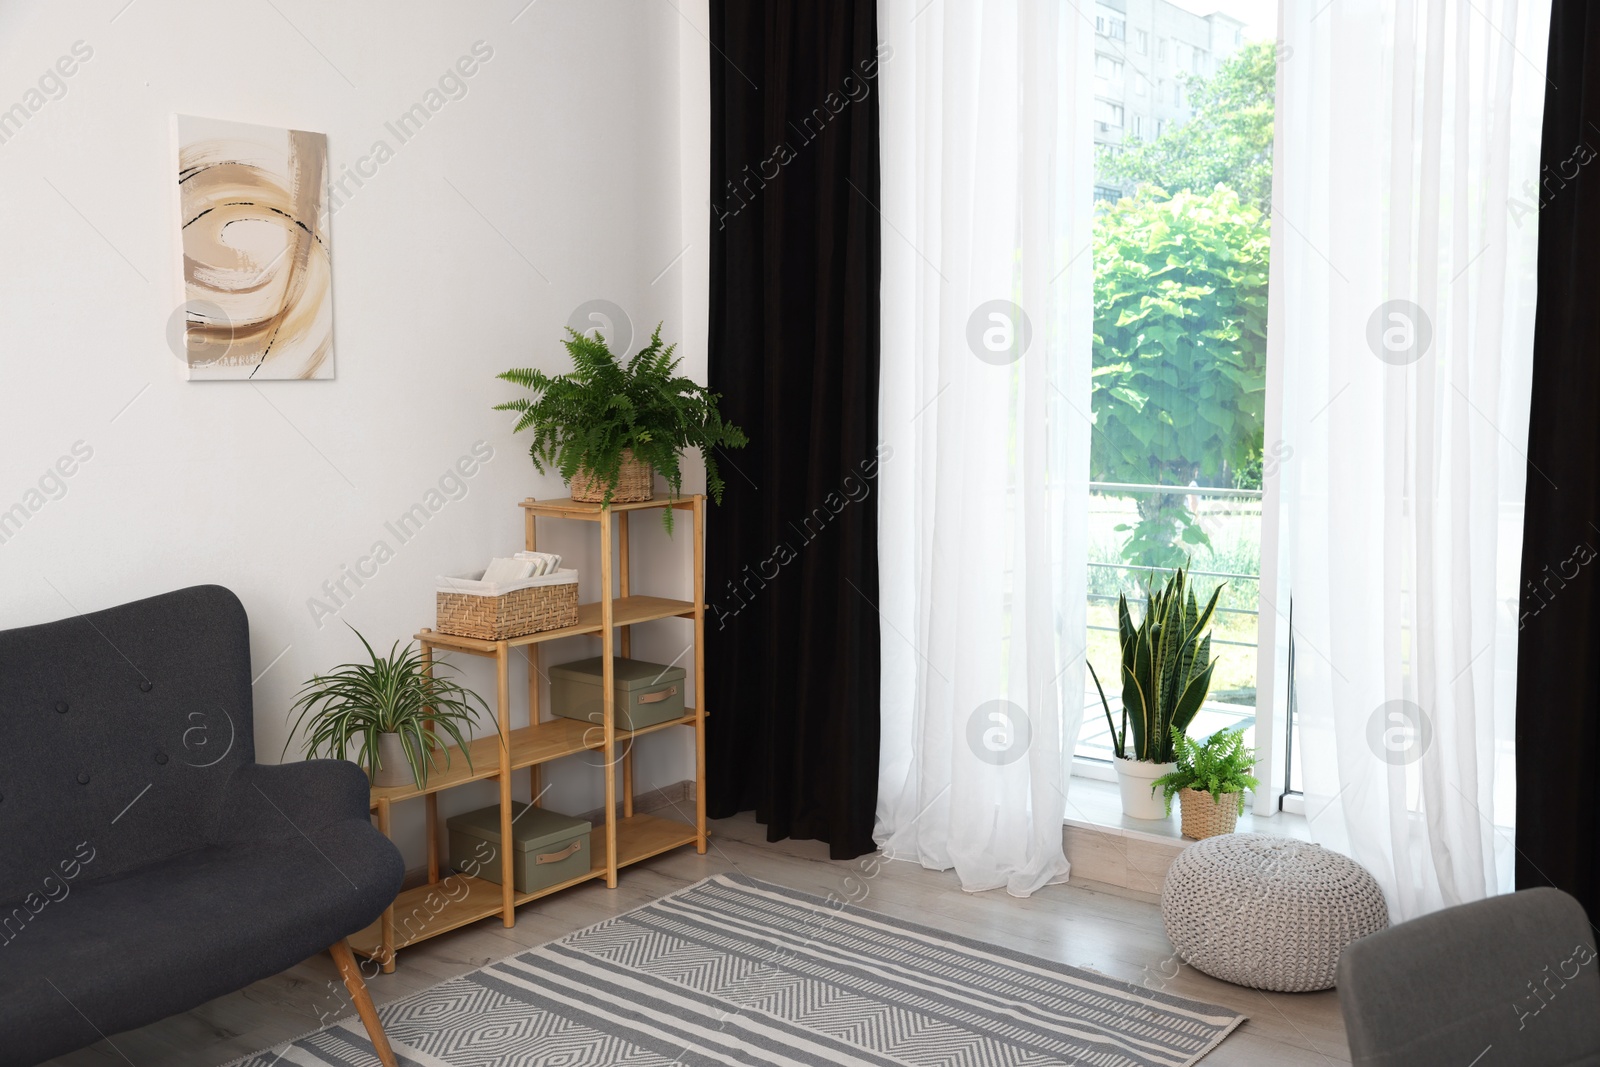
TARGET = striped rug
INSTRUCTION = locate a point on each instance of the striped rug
(736, 971)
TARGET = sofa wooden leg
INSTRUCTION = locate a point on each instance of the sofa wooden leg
(345, 960)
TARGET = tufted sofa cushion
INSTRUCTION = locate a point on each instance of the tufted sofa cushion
(147, 862)
(122, 731)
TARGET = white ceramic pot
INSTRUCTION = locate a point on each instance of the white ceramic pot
(1136, 779)
(392, 755)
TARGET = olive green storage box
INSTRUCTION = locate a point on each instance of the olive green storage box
(646, 693)
(550, 847)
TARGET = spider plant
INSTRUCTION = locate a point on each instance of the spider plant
(347, 712)
(1166, 669)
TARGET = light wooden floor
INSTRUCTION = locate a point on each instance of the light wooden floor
(1114, 931)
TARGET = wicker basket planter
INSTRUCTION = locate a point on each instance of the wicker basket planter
(636, 481)
(470, 608)
(1204, 817)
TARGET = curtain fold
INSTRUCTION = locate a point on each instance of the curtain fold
(1405, 280)
(791, 565)
(987, 323)
(1558, 661)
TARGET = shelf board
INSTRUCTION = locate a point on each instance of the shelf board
(568, 508)
(432, 909)
(485, 753)
(459, 899)
(530, 746)
(625, 611)
(641, 836)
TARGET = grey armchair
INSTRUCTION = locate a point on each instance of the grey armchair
(1508, 980)
(147, 862)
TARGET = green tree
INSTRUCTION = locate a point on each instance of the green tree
(1228, 141)
(1180, 340)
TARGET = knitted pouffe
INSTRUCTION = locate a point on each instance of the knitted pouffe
(1268, 912)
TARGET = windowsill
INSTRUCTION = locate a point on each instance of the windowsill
(1097, 805)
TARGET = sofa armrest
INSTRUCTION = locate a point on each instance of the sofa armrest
(265, 801)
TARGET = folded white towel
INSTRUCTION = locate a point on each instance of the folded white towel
(543, 562)
(504, 570)
(475, 585)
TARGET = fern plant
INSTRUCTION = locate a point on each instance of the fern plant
(1219, 765)
(1166, 669)
(585, 419)
(345, 711)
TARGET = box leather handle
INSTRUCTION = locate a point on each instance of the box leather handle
(557, 857)
(656, 698)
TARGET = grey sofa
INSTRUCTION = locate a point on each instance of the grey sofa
(1508, 980)
(147, 862)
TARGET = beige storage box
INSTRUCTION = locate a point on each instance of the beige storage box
(646, 693)
(551, 848)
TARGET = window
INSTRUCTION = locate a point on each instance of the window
(1105, 26)
(1141, 42)
(1108, 113)
(1107, 68)
(1177, 453)
(1139, 86)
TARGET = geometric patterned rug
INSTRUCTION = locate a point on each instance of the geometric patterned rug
(736, 971)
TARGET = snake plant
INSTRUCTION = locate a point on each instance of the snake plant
(1166, 669)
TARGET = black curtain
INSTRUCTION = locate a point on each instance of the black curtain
(792, 573)
(1558, 652)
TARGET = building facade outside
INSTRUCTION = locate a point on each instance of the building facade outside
(1144, 50)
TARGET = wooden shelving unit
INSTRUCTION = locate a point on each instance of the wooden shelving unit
(453, 901)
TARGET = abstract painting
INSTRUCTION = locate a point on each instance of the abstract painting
(256, 275)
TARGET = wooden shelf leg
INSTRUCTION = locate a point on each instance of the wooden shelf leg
(508, 895)
(700, 674)
(531, 654)
(626, 633)
(431, 803)
(608, 696)
(351, 973)
(627, 781)
(386, 924)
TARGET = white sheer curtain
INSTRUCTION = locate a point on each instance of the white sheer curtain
(1403, 252)
(987, 306)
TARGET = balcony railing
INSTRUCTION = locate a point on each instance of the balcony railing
(1093, 741)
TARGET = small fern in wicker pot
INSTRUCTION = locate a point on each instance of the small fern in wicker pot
(609, 422)
(1209, 771)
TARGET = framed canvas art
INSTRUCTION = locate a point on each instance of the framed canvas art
(253, 236)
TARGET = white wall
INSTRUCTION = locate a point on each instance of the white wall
(565, 150)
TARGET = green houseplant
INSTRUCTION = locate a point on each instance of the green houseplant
(379, 714)
(605, 419)
(1166, 673)
(1206, 772)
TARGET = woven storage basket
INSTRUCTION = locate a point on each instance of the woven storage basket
(515, 612)
(636, 481)
(1204, 817)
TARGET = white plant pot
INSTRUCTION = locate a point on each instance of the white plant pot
(392, 755)
(1136, 779)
